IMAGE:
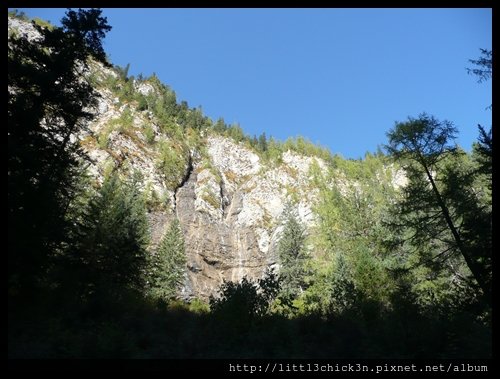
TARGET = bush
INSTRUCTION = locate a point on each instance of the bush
(240, 303)
(149, 133)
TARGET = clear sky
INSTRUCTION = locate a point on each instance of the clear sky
(339, 77)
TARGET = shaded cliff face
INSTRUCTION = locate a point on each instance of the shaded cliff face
(231, 217)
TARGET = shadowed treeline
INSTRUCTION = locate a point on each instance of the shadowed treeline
(137, 328)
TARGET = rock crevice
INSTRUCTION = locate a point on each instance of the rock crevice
(184, 180)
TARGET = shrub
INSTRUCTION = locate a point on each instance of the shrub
(239, 303)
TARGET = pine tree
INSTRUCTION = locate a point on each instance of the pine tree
(263, 142)
(111, 254)
(343, 293)
(292, 255)
(168, 263)
(439, 205)
(220, 126)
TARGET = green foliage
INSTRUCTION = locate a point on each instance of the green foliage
(235, 132)
(343, 292)
(18, 14)
(425, 140)
(120, 84)
(142, 102)
(262, 144)
(172, 163)
(274, 151)
(240, 303)
(220, 126)
(149, 133)
(199, 306)
(103, 138)
(483, 155)
(352, 209)
(123, 122)
(122, 72)
(387, 279)
(211, 199)
(154, 200)
(305, 147)
(484, 69)
(43, 23)
(127, 92)
(440, 208)
(111, 82)
(195, 119)
(164, 106)
(292, 255)
(168, 264)
(111, 252)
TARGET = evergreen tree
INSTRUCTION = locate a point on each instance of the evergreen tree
(169, 263)
(484, 69)
(254, 142)
(263, 142)
(48, 106)
(434, 212)
(111, 253)
(351, 226)
(220, 126)
(483, 154)
(123, 72)
(483, 149)
(343, 293)
(292, 255)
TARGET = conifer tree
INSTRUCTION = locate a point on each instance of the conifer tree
(49, 102)
(111, 253)
(343, 293)
(292, 255)
(439, 202)
(168, 263)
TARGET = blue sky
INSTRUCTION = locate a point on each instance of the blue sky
(339, 77)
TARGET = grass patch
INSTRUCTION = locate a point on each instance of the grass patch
(209, 197)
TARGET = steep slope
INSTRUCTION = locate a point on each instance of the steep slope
(227, 196)
(229, 210)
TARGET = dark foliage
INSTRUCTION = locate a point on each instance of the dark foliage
(134, 327)
(238, 304)
(48, 100)
(484, 69)
(439, 206)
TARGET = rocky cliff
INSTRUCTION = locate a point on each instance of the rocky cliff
(227, 197)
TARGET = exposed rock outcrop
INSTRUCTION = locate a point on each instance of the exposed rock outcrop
(229, 202)
(230, 223)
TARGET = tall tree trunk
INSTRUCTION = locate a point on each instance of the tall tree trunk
(476, 272)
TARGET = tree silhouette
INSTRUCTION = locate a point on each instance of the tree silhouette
(484, 65)
(49, 103)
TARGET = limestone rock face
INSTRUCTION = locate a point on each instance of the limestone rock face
(228, 201)
(23, 28)
(230, 218)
